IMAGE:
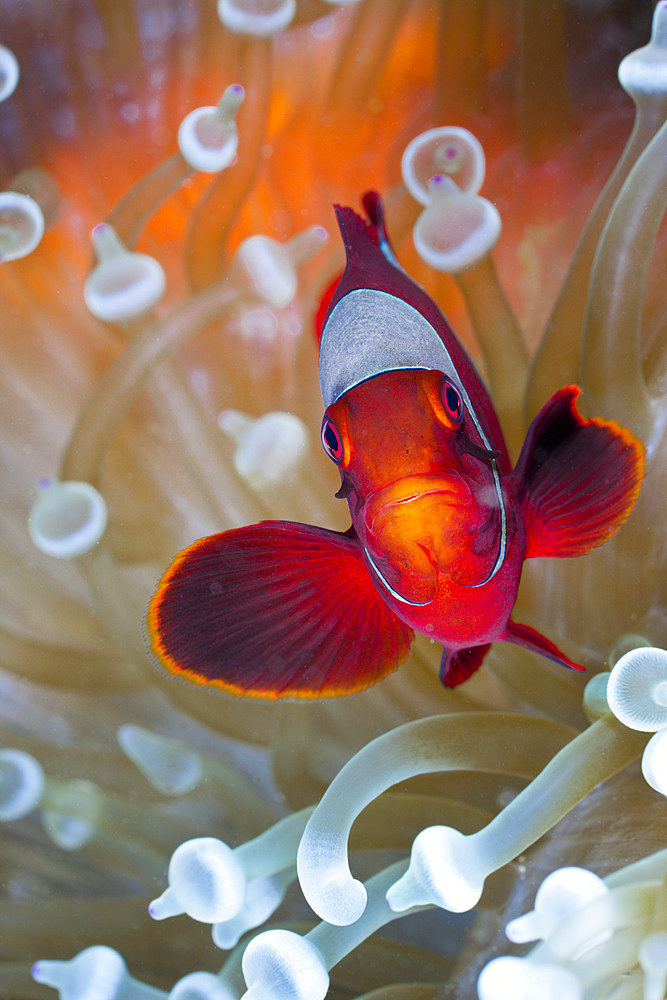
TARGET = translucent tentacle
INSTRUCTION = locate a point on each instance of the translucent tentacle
(612, 374)
(558, 358)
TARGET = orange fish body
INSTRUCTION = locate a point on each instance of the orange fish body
(441, 524)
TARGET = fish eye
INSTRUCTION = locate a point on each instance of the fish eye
(331, 441)
(452, 401)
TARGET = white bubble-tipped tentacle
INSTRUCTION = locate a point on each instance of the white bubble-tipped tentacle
(21, 225)
(124, 284)
(268, 448)
(21, 784)
(449, 869)
(561, 893)
(511, 978)
(592, 929)
(67, 518)
(206, 881)
(269, 267)
(456, 230)
(9, 72)
(468, 740)
(637, 689)
(281, 965)
(644, 71)
(208, 137)
(448, 150)
(169, 765)
(97, 972)
(593, 946)
(654, 761)
(202, 986)
(248, 17)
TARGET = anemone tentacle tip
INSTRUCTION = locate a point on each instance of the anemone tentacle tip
(21, 784)
(124, 284)
(206, 881)
(644, 71)
(637, 689)
(510, 978)
(560, 895)
(67, 519)
(595, 703)
(9, 72)
(270, 449)
(96, 971)
(654, 762)
(282, 965)
(21, 225)
(260, 20)
(448, 150)
(207, 137)
(456, 230)
(444, 871)
(201, 986)
(268, 269)
(170, 766)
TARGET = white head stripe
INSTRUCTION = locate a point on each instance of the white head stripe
(369, 332)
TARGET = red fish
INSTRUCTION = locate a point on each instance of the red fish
(441, 523)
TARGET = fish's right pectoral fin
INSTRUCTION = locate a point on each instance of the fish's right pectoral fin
(275, 610)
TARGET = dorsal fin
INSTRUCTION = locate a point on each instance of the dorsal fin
(358, 235)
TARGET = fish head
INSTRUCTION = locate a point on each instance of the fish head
(418, 480)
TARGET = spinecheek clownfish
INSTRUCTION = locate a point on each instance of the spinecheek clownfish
(441, 523)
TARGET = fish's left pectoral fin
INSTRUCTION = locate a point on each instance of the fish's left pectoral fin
(530, 638)
(275, 610)
(577, 479)
(457, 665)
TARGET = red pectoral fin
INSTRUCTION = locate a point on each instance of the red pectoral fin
(577, 479)
(275, 610)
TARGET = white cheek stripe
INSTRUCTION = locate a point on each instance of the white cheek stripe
(387, 586)
(370, 332)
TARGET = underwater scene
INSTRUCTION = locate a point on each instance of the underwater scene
(333, 645)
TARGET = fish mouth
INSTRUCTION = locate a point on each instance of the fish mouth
(381, 505)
